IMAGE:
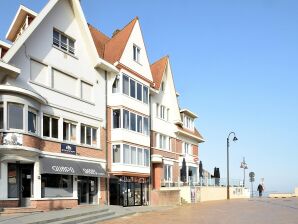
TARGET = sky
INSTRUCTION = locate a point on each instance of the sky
(234, 64)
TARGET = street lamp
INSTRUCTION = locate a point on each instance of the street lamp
(243, 165)
(228, 175)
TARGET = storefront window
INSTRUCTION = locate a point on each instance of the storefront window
(15, 116)
(32, 121)
(55, 185)
(12, 181)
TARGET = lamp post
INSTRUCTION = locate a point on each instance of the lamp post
(243, 165)
(228, 174)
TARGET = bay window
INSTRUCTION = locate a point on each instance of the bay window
(126, 119)
(126, 154)
(134, 89)
(139, 123)
(132, 121)
(131, 155)
(15, 116)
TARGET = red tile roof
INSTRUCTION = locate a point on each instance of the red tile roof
(195, 132)
(99, 39)
(111, 49)
(157, 70)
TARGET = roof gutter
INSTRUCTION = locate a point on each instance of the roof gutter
(106, 66)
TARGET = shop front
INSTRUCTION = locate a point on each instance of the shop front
(71, 179)
(129, 191)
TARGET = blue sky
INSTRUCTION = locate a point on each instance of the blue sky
(234, 64)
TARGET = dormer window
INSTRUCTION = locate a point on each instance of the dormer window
(136, 53)
(63, 42)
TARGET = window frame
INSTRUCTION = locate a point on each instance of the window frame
(8, 116)
(50, 126)
(136, 53)
(92, 128)
(70, 125)
(57, 42)
(35, 112)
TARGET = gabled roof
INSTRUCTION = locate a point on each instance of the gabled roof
(18, 21)
(157, 70)
(194, 134)
(99, 39)
(115, 46)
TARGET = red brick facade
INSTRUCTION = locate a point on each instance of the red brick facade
(46, 205)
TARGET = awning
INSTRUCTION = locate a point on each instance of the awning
(70, 167)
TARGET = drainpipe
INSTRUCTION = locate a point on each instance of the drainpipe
(106, 139)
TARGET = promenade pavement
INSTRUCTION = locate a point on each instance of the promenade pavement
(249, 211)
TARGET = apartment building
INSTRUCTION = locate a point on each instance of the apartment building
(85, 118)
(52, 110)
(128, 114)
(173, 135)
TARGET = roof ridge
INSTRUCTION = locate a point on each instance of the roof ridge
(98, 30)
(166, 56)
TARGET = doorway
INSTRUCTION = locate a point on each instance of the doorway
(20, 182)
(87, 190)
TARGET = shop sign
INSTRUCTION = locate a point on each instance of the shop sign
(11, 139)
(68, 149)
(63, 169)
(126, 179)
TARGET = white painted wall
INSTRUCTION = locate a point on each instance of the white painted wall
(129, 168)
(143, 68)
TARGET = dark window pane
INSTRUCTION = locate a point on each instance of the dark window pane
(94, 136)
(116, 118)
(132, 121)
(15, 116)
(125, 119)
(63, 42)
(46, 126)
(1, 117)
(139, 91)
(139, 124)
(65, 131)
(55, 185)
(88, 135)
(115, 87)
(132, 88)
(31, 122)
(126, 154)
(146, 126)
(71, 48)
(12, 181)
(133, 155)
(125, 85)
(145, 94)
(56, 38)
(54, 128)
(83, 134)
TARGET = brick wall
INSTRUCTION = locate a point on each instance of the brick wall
(157, 175)
(195, 150)
(176, 172)
(165, 197)
(9, 203)
(46, 205)
(102, 198)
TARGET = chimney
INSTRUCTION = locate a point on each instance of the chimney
(115, 32)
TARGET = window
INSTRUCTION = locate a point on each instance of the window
(115, 87)
(64, 83)
(126, 84)
(50, 127)
(86, 91)
(132, 88)
(145, 94)
(135, 89)
(136, 53)
(126, 154)
(69, 131)
(167, 172)
(88, 135)
(15, 116)
(133, 155)
(146, 126)
(132, 122)
(146, 157)
(139, 124)
(162, 86)
(56, 185)
(187, 148)
(125, 119)
(1, 116)
(116, 153)
(188, 122)
(139, 91)
(162, 112)
(156, 110)
(38, 72)
(12, 181)
(116, 119)
(63, 42)
(164, 142)
(140, 156)
(32, 114)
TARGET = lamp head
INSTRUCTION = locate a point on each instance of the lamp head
(235, 139)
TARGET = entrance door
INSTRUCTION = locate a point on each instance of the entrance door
(26, 183)
(87, 190)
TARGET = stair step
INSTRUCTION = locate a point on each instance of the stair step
(95, 221)
(19, 210)
(86, 218)
(72, 216)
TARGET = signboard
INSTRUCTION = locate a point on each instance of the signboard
(11, 139)
(133, 179)
(68, 149)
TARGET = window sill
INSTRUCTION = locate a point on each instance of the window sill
(64, 51)
(58, 91)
